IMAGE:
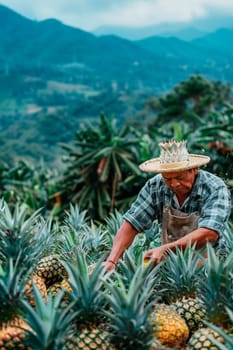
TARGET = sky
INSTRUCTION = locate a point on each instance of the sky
(91, 14)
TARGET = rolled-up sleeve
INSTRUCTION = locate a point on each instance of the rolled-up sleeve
(142, 212)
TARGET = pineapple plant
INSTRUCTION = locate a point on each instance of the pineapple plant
(179, 276)
(88, 298)
(51, 267)
(23, 237)
(23, 240)
(12, 283)
(75, 234)
(49, 322)
(216, 292)
(226, 247)
(225, 338)
(130, 307)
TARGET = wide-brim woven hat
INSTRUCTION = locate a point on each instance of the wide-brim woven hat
(174, 157)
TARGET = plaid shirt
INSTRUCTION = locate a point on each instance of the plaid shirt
(209, 197)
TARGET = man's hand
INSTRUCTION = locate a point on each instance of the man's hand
(156, 255)
(109, 265)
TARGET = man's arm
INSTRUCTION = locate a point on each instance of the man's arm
(199, 237)
(123, 239)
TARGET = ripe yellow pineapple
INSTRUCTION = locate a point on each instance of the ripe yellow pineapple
(58, 286)
(171, 329)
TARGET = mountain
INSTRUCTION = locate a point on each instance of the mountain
(186, 34)
(53, 77)
(181, 30)
(197, 52)
(137, 33)
(27, 43)
(220, 40)
(50, 45)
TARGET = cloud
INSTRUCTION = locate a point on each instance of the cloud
(89, 14)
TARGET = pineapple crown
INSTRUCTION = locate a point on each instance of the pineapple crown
(173, 151)
(174, 156)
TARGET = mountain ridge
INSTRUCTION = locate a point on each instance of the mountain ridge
(207, 25)
(147, 62)
(54, 77)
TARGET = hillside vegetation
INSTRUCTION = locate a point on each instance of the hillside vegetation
(54, 77)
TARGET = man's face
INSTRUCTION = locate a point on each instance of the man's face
(180, 182)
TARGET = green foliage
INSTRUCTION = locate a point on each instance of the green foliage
(130, 307)
(101, 158)
(50, 322)
(191, 100)
(28, 184)
(23, 237)
(216, 287)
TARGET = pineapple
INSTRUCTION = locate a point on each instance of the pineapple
(216, 292)
(130, 306)
(65, 284)
(206, 339)
(12, 338)
(172, 330)
(40, 283)
(56, 287)
(51, 269)
(88, 298)
(179, 276)
(87, 338)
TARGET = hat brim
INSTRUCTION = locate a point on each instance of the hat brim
(154, 165)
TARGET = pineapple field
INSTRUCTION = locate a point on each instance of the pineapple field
(57, 226)
(56, 295)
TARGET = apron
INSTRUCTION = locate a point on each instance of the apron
(176, 224)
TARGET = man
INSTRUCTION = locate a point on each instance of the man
(192, 205)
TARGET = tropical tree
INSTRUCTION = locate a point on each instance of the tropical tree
(101, 158)
(190, 101)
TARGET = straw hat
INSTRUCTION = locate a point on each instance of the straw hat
(174, 157)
